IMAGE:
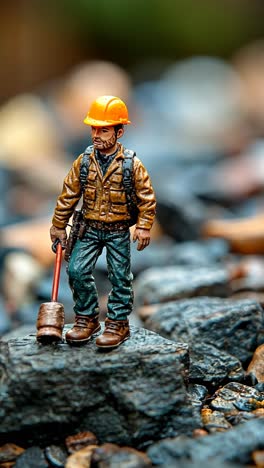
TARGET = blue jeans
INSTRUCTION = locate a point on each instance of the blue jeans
(81, 266)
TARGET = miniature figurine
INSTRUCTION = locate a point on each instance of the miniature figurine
(115, 186)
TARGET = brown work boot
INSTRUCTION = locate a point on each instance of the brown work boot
(115, 332)
(84, 327)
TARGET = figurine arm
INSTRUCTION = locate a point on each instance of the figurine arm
(69, 197)
(146, 201)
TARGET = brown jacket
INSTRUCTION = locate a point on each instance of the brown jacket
(104, 197)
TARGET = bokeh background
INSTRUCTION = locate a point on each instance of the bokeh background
(192, 75)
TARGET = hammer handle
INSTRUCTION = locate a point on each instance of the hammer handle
(56, 276)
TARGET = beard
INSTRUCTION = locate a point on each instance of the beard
(100, 144)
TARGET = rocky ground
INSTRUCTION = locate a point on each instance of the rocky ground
(187, 389)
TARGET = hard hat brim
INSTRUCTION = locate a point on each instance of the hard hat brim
(104, 123)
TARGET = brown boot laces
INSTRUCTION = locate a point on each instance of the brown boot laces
(112, 327)
(82, 322)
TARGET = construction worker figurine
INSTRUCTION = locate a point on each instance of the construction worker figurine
(115, 186)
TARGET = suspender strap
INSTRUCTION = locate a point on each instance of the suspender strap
(84, 167)
(128, 174)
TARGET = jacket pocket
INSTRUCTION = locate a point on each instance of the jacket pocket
(118, 196)
(118, 201)
(89, 197)
(116, 178)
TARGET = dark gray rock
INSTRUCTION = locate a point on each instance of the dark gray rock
(132, 396)
(32, 458)
(230, 326)
(179, 210)
(237, 396)
(212, 366)
(235, 445)
(166, 284)
(180, 216)
(165, 252)
(197, 394)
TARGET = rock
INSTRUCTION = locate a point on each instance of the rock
(214, 421)
(56, 456)
(235, 445)
(126, 396)
(258, 412)
(212, 366)
(199, 433)
(231, 326)
(81, 458)
(33, 457)
(237, 396)
(7, 464)
(236, 417)
(79, 441)
(258, 458)
(197, 394)
(180, 215)
(255, 369)
(170, 283)
(244, 235)
(165, 252)
(112, 456)
(10, 452)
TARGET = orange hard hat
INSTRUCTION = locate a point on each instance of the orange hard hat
(106, 111)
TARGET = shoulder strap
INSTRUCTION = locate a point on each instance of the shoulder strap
(84, 167)
(128, 181)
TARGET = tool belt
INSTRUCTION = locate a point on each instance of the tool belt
(102, 226)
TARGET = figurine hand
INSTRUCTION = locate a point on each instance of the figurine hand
(143, 237)
(58, 233)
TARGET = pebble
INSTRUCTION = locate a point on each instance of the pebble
(56, 456)
(258, 458)
(10, 452)
(79, 441)
(113, 456)
(81, 458)
(255, 370)
(214, 421)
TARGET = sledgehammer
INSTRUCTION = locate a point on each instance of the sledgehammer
(50, 320)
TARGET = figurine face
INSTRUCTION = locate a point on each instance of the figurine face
(105, 138)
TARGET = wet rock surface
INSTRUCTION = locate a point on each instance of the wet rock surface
(56, 456)
(214, 421)
(157, 285)
(212, 366)
(237, 396)
(124, 396)
(235, 446)
(234, 327)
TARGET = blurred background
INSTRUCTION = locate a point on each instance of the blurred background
(192, 75)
